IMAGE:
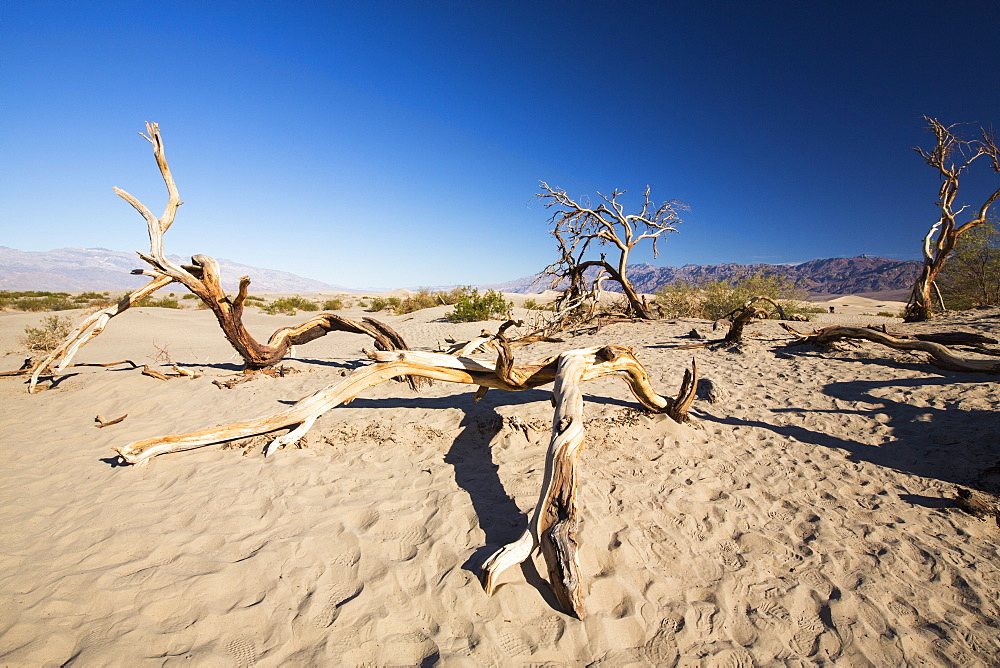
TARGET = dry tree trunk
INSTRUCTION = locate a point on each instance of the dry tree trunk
(941, 355)
(744, 315)
(944, 234)
(553, 524)
(202, 278)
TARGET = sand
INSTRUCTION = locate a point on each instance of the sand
(804, 519)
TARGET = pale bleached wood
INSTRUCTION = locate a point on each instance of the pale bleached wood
(203, 278)
(941, 355)
(91, 326)
(553, 524)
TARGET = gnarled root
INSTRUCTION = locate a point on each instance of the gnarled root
(941, 355)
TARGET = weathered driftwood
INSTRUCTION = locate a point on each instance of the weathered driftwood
(23, 370)
(59, 359)
(709, 391)
(553, 524)
(101, 422)
(202, 278)
(941, 355)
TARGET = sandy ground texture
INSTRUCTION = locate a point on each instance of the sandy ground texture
(803, 519)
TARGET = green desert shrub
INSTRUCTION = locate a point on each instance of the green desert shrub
(426, 298)
(971, 277)
(419, 301)
(533, 305)
(164, 302)
(383, 303)
(88, 297)
(50, 303)
(471, 306)
(713, 300)
(333, 304)
(289, 305)
(53, 331)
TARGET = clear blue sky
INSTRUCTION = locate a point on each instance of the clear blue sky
(399, 143)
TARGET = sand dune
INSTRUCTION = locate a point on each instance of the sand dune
(803, 519)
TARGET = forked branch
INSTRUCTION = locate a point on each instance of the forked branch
(203, 278)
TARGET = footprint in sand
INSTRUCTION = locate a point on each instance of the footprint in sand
(772, 613)
(339, 595)
(548, 630)
(871, 616)
(807, 623)
(401, 545)
(805, 639)
(661, 650)
(905, 612)
(512, 642)
(730, 557)
(739, 628)
(817, 582)
(243, 651)
(916, 560)
(732, 658)
(700, 616)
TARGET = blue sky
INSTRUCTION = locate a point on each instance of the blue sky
(389, 144)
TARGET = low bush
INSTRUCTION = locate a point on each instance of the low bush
(713, 300)
(52, 303)
(190, 295)
(426, 298)
(53, 331)
(165, 302)
(471, 306)
(333, 305)
(382, 303)
(419, 301)
(533, 305)
(289, 305)
(972, 276)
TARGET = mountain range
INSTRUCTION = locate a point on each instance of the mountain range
(72, 269)
(864, 275)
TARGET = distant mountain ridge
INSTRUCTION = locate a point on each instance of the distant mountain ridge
(70, 269)
(836, 276)
(73, 269)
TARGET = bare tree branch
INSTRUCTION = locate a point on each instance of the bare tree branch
(202, 277)
(576, 225)
(950, 156)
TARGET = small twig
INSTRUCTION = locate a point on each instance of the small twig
(230, 384)
(25, 368)
(146, 371)
(101, 422)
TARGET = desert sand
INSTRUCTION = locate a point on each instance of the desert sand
(803, 519)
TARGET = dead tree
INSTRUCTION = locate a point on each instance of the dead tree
(951, 156)
(577, 226)
(202, 278)
(553, 525)
(738, 319)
